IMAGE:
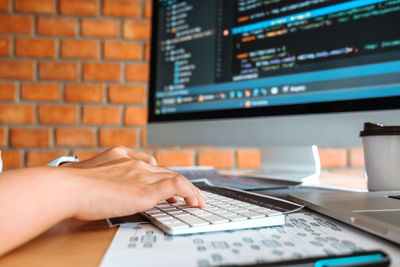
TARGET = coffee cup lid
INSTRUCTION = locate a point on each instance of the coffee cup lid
(371, 129)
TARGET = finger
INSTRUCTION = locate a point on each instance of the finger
(138, 155)
(203, 196)
(173, 200)
(197, 192)
(154, 177)
(153, 168)
(150, 177)
(168, 188)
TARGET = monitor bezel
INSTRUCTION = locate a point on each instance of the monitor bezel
(370, 104)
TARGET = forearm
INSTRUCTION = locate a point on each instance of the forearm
(31, 201)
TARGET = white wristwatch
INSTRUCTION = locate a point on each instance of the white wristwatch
(63, 159)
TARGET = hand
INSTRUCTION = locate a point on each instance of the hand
(43, 196)
(113, 154)
(128, 186)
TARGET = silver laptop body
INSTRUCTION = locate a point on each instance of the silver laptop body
(374, 212)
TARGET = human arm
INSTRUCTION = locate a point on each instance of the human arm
(32, 200)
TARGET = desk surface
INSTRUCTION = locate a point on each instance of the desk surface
(75, 243)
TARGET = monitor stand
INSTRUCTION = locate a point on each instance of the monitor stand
(299, 164)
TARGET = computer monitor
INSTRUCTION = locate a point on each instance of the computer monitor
(272, 73)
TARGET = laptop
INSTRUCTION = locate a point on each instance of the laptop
(374, 212)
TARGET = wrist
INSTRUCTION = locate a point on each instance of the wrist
(66, 185)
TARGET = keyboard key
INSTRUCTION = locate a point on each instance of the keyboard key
(224, 213)
(193, 221)
(236, 218)
(158, 212)
(177, 226)
(169, 208)
(192, 209)
(153, 210)
(271, 212)
(233, 201)
(252, 214)
(164, 218)
(241, 210)
(172, 221)
(200, 212)
(178, 205)
(163, 205)
(182, 215)
(159, 215)
(214, 219)
(210, 208)
(176, 212)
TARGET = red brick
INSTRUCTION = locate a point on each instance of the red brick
(16, 114)
(16, 69)
(143, 138)
(99, 28)
(75, 138)
(15, 24)
(332, 157)
(217, 159)
(3, 137)
(102, 71)
(101, 115)
(86, 154)
(12, 159)
(137, 73)
(248, 158)
(5, 45)
(20, 137)
(80, 49)
(4, 5)
(58, 71)
(175, 158)
(357, 158)
(7, 91)
(121, 8)
(147, 52)
(42, 158)
(35, 6)
(58, 114)
(79, 7)
(138, 30)
(122, 50)
(116, 137)
(148, 9)
(127, 94)
(35, 48)
(135, 116)
(87, 93)
(41, 91)
(57, 26)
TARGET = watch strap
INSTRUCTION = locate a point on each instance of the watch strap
(63, 159)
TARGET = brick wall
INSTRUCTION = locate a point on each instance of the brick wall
(73, 80)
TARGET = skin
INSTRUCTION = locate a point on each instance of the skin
(117, 182)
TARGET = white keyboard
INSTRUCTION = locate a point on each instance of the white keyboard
(221, 213)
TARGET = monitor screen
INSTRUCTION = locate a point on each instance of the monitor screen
(243, 58)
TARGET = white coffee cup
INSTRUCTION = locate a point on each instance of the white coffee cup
(382, 156)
